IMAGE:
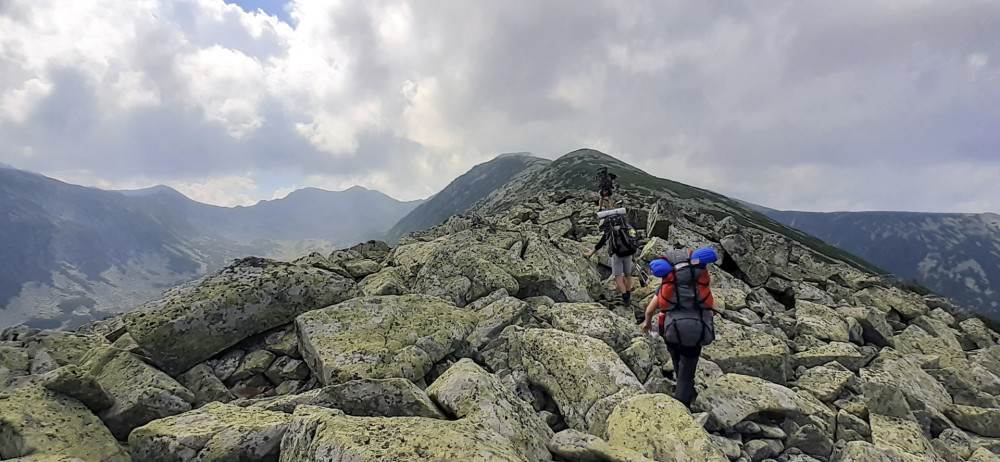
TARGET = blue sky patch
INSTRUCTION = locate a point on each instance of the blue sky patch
(277, 8)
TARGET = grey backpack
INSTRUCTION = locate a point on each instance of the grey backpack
(689, 322)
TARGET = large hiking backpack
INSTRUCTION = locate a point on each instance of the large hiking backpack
(622, 239)
(685, 300)
(605, 180)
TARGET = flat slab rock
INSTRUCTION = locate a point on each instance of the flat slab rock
(381, 337)
(36, 422)
(215, 432)
(732, 398)
(321, 435)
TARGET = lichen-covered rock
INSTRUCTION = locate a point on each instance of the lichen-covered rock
(320, 435)
(907, 304)
(42, 363)
(361, 267)
(875, 329)
(72, 381)
(201, 380)
(14, 359)
(661, 428)
(283, 342)
(981, 421)
(227, 364)
(905, 375)
(847, 354)
(754, 270)
(826, 383)
(253, 363)
(216, 432)
(364, 398)
(583, 375)
(983, 455)
(732, 398)
(592, 320)
(901, 435)
(493, 314)
(820, 322)
(286, 368)
(64, 347)
(467, 391)
(195, 321)
(141, 393)
(388, 281)
(977, 332)
(745, 350)
(857, 451)
(381, 337)
(36, 422)
(582, 447)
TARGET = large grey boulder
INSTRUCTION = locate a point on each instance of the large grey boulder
(393, 397)
(205, 385)
(321, 435)
(746, 350)
(592, 320)
(583, 375)
(467, 391)
(820, 322)
(876, 330)
(661, 428)
(193, 322)
(981, 421)
(754, 269)
(382, 337)
(732, 398)
(583, 447)
(72, 381)
(141, 392)
(35, 422)
(216, 432)
(847, 354)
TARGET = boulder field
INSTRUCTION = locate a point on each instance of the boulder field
(490, 338)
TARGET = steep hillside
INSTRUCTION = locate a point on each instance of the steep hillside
(464, 191)
(491, 337)
(70, 253)
(953, 254)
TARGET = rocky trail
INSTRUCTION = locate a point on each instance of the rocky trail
(490, 338)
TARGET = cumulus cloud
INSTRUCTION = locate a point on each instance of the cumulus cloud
(791, 104)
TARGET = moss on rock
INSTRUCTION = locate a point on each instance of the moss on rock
(381, 337)
(37, 422)
(194, 322)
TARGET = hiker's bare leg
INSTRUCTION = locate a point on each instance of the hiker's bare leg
(627, 284)
(620, 281)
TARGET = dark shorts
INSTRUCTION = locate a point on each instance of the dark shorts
(605, 193)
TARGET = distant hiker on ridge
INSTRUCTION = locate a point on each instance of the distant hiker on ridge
(606, 186)
(686, 309)
(622, 247)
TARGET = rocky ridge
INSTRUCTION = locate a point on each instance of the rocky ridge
(490, 338)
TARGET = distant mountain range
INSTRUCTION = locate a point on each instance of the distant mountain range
(70, 254)
(953, 254)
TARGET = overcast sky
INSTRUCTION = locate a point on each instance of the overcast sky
(809, 105)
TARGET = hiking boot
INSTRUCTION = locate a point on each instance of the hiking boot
(627, 298)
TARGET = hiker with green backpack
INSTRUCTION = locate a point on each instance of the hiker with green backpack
(621, 240)
(686, 309)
